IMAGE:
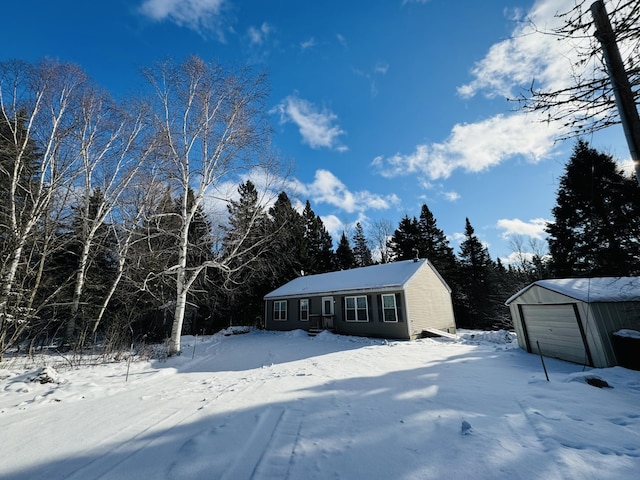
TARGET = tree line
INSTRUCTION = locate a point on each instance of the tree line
(116, 225)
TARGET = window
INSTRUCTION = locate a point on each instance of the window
(389, 310)
(280, 310)
(304, 310)
(356, 309)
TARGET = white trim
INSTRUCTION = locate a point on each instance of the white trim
(304, 301)
(356, 309)
(331, 307)
(395, 308)
(280, 310)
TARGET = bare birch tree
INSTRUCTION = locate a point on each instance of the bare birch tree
(211, 127)
(107, 140)
(40, 97)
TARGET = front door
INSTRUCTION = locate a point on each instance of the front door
(327, 312)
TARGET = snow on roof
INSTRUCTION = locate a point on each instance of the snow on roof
(386, 276)
(599, 289)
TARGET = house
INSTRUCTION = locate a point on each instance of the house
(574, 319)
(400, 300)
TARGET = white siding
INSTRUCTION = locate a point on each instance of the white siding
(428, 303)
(553, 330)
(599, 321)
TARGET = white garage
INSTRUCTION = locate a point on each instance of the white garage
(573, 319)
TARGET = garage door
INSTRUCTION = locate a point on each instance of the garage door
(556, 329)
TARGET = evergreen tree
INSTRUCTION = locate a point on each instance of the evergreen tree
(154, 251)
(476, 281)
(345, 258)
(361, 251)
(434, 245)
(288, 247)
(319, 257)
(248, 230)
(596, 218)
(405, 240)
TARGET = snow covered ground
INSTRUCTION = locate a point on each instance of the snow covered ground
(268, 405)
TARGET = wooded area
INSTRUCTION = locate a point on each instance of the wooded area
(117, 225)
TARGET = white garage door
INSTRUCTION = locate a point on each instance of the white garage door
(555, 328)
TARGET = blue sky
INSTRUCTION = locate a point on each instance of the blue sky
(381, 105)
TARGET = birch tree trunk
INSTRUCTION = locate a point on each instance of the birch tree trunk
(40, 97)
(107, 138)
(212, 125)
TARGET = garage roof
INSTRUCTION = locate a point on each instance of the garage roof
(590, 290)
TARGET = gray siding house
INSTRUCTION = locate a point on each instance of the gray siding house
(574, 319)
(399, 300)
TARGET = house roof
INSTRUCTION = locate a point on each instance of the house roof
(386, 276)
(591, 290)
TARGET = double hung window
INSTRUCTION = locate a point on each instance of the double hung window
(280, 310)
(356, 309)
(389, 308)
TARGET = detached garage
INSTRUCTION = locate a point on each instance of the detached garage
(574, 319)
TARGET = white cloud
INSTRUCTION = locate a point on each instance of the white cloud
(328, 189)
(474, 147)
(316, 125)
(333, 225)
(381, 68)
(528, 55)
(258, 36)
(451, 196)
(198, 15)
(534, 228)
(308, 44)
(507, 68)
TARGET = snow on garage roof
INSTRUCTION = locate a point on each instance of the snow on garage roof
(386, 276)
(599, 289)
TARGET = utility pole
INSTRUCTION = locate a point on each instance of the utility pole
(619, 82)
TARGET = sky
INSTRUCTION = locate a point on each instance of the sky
(380, 106)
(275, 405)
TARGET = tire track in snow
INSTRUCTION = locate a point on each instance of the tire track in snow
(270, 451)
(279, 455)
(163, 421)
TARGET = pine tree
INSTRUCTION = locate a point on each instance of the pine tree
(596, 218)
(361, 251)
(345, 259)
(405, 240)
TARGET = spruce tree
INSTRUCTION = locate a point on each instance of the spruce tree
(248, 230)
(361, 251)
(434, 245)
(476, 282)
(405, 241)
(288, 246)
(596, 218)
(319, 257)
(344, 254)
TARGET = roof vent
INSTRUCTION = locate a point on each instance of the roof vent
(417, 255)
